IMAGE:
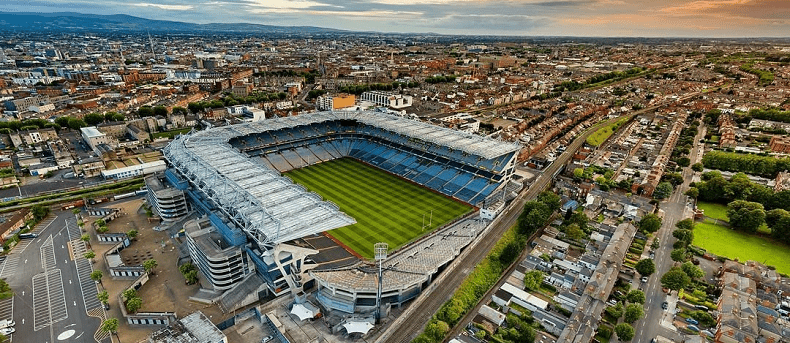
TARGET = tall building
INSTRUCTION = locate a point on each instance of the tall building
(335, 102)
(387, 99)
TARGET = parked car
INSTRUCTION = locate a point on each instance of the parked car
(693, 328)
(28, 235)
(6, 323)
(7, 331)
(266, 339)
(664, 305)
(701, 307)
(692, 321)
(644, 279)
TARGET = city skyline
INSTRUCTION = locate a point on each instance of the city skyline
(599, 18)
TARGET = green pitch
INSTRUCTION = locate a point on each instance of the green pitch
(386, 208)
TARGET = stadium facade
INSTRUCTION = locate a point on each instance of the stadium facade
(232, 177)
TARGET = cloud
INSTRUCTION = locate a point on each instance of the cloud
(288, 4)
(757, 9)
(165, 7)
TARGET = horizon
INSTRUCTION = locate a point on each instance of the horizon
(517, 18)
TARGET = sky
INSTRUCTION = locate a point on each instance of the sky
(602, 18)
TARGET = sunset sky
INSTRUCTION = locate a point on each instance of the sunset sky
(643, 18)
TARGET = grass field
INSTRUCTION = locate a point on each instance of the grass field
(386, 208)
(600, 136)
(715, 211)
(732, 244)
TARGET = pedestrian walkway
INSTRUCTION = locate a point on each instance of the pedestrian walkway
(49, 302)
(72, 228)
(77, 248)
(87, 285)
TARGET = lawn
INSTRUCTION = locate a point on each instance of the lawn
(600, 136)
(715, 211)
(387, 209)
(732, 244)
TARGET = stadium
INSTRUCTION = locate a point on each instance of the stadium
(381, 178)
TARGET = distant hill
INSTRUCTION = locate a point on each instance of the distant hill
(69, 21)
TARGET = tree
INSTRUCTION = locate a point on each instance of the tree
(149, 265)
(85, 238)
(615, 311)
(76, 211)
(683, 161)
(635, 296)
(62, 121)
(104, 297)
(663, 190)
(145, 111)
(650, 223)
(180, 110)
(692, 192)
(134, 304)
(574, 232)
(625, 332)
(76, 124)
(129, 293)
(550, 199)
(673, 178)
(779, 222)
(132, 234)
(533, 279)
(678, 255)
(160, 111)
(675, 279)
(633, 312)
(96, 276)
(685, 236)
(89, 255)
(110, 326)
(746, 215)
(645, 267)
(437, 329)
(697, 167)
(534, 216)
(191, 276)
(694, 272)
(39, 211)
(93, 119)
(685, 224)
(578, 173)
(510, 252)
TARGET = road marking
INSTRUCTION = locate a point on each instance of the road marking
(10, 265)
(49, 302)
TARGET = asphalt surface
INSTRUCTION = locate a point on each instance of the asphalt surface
(676, 208)
(420, 311)
(48, 305)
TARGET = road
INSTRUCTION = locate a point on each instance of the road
(421, 310)
(52, 288)
(676, 208)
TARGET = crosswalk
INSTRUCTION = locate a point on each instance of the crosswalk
(49, 302)
(88, 286)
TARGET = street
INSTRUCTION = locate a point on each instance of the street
(676, 208)
(51, 292)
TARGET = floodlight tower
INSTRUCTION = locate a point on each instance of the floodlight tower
(380, 252)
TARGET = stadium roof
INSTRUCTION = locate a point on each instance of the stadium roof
(472, 144)
(270, 207)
